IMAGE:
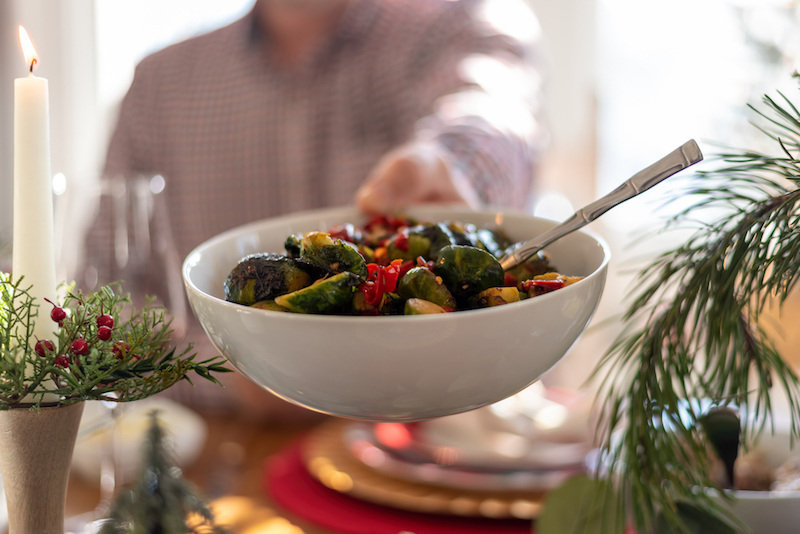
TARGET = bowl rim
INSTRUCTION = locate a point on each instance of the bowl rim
(190, 261)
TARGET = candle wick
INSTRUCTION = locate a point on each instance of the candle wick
(33, 63)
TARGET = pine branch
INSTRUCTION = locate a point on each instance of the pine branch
(693, 327)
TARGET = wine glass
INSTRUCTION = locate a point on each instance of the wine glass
(128, 239)
(118, 230)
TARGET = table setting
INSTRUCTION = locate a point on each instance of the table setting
(437, 467)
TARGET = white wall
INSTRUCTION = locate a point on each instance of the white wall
(8, 53)
(569, 31)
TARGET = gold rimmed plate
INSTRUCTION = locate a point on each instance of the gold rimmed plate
(439, 466)
(329, 460)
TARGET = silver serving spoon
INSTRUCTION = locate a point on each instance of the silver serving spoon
(682, 157)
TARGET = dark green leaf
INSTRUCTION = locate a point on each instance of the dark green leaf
(582, 505)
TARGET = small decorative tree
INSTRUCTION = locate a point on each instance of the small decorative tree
(161, 501)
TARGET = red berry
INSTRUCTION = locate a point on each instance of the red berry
(62, 361)
(57, 314)
(104, 333)
(43, 346)
(105, 320)
(120, 349)
(79, 347)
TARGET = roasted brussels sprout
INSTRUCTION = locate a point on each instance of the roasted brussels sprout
(408, 246)
(421, 307)
(269, 305)
(441, 235)
(391, 304)
(421, 283)
(391, 266)
(264, 276)
(292, 246)
(359, 305)
(496, 296)
(536, 265)
(323, 296)
(491, 240)
(333, 255)
(467, 270)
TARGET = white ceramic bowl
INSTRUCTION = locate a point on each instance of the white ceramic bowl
(401, 368)
(770, 512)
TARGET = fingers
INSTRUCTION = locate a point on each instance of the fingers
(412, 174)
(395, 182)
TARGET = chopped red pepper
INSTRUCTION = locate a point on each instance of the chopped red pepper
(545, 286)
(391, 274)
(510, 280)
(345, 232)
(405, 267)
(401, 241)
(428, 264)
(380, 280)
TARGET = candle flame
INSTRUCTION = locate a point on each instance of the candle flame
(28, 50)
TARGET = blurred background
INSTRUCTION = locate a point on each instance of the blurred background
(626, 82)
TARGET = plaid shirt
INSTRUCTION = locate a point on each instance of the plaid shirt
(238, 138)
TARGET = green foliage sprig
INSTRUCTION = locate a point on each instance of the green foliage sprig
(693, 329)
(101, 345)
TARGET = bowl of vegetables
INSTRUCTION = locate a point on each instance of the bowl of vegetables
(399, 318)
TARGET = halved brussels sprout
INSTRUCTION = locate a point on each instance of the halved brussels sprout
(496, 296)
(421, 307)
(391, 304)
(323, 296)
(441, 235)
(268, 305)
(333, 255)
(536, 265)
(264, 276)
(467, 270)
(408, 246)
(421, 283)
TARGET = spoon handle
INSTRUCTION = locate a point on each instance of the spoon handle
(682, 157)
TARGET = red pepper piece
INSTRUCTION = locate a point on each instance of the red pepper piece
(390, 275)
(510, 280)
(541, 286)
(405, 267)
(401, 241)
(380, 280)
(549, 284)
(345, 232)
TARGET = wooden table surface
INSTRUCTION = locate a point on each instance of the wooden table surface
(229, 473)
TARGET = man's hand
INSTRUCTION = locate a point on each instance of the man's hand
(414, 173)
